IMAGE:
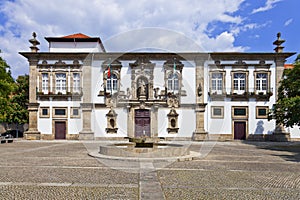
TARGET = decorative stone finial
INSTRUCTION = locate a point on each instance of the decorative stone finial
(278, 35)
(278, 43)
(34, 43)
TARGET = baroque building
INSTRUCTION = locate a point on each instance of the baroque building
(80, 91)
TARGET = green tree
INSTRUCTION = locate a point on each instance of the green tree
(14, 96)
(17, 112)
(298, 58)
(6, 87)
(286, 111)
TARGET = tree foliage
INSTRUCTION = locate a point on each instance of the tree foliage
(286, 111)
(14, 96)
(18, 112)
(6, 87)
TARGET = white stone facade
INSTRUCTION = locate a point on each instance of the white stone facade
(79, 91)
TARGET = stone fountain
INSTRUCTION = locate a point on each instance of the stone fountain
(145, 148)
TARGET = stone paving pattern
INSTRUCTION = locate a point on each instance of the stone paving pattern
(231, 170)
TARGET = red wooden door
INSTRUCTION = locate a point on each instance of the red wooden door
(239, 130)
(60, 130)
(142, 123)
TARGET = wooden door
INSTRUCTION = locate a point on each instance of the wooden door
(239, 130)
(60, 130)
(142, 123)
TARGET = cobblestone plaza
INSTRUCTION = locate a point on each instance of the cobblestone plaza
(231, 170)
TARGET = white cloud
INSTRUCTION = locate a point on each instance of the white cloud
(288, 22)
(152, 38)
(246, 27)
(110, 18)
(223, 42)
(269, 5)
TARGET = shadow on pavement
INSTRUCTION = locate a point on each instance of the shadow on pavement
(289, 151)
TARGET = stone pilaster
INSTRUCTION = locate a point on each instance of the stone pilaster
(199, 80)
(199, 133)
(130, 121)
(279, 62)
(33, 133)
(86, 133)
(280, 133)
(154, 118)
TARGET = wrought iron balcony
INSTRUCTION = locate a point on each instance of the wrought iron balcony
(241, 94)
(65, 92)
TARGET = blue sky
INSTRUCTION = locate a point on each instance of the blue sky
(214, 25)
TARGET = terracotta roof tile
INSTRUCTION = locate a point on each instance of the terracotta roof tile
(76, 35)
(288, 66)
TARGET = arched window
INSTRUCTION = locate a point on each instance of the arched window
(112, 83)
(173, 82)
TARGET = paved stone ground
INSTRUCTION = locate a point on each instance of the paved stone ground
(231, 170)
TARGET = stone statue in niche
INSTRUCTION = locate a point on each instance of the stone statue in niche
(128, 94)
(156, 92)
(173, 121)
(142, 87)
(111, 121)
(142, 91)
(199, 90)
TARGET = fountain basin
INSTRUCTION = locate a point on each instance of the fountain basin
(147, 150)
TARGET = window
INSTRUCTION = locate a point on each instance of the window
(216, 83)
(112, 83)
(45, 83)
(44, 112)
(61, 83)
(261, 82)
(173, 82)
(239, 112)
(262, 112)
(75, 112)
(76, 83)
(239, 83)
(217, 112)
(60, 112)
